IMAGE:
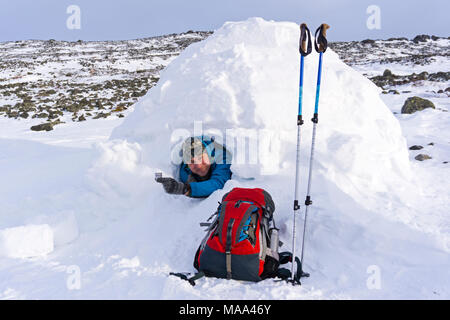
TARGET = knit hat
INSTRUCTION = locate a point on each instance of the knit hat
(192, 148)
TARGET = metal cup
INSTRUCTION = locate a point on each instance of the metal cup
(274, 242)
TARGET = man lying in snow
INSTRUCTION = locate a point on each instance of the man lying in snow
(205, 168)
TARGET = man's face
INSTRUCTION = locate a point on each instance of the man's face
(200, 165)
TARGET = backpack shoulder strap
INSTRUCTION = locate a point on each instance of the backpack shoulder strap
(192, 279)
(286, 274)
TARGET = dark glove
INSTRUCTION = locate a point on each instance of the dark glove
(172, 186)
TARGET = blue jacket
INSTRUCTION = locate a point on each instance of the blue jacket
(219, 173)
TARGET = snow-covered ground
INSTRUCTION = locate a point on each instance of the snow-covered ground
(82, 218)
(46, 80)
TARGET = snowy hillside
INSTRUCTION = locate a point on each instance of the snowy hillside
(82, 216)
(58, 82)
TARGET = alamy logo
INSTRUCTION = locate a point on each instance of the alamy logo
(73, 22)
(374, 19)
(74, 279)
(374, 280)
(258, 147)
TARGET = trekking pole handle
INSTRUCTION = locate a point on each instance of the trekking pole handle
(320, 38)
(305, 46)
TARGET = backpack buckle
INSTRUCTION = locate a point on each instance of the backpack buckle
(228, 264)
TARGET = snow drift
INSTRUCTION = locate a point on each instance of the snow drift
(241, 85)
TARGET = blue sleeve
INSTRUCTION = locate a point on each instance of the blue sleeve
(183, 174)
(220, 174)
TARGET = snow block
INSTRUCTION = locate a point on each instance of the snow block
(65, 229)
(63, 223)
(26, 241)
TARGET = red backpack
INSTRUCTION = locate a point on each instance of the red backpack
(239, 244)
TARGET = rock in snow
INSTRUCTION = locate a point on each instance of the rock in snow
(414, 104)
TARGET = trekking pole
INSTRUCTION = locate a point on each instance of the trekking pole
(320, 44)
(305, 48)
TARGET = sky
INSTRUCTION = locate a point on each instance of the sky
(133, 19)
